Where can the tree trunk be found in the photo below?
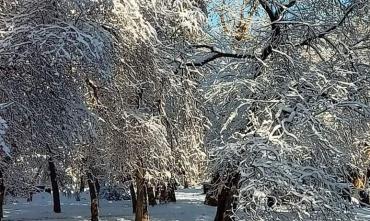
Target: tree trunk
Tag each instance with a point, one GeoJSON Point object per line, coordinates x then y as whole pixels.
{"type": "Point", "coordinates": [97, 188]}
{"type": "Point", "coordinates": [171, 192]}
{"type": "Point", "coordinates": [223, 205]}
{"type": "Point", "coordinates": [82, 188]}
{"type": "Point", "coordinates": [93, 198]}
{"type": "Point", "coordinates": [226, 200]}
{"type": "Point", "coordinates": [29, 199]}
{"type": "Point", "coordinates": [163, 197]}
{"type": "Point", "coordinates": [157, 191]}
{"type": "Point", "coordinates": [145, 209]}
{"type": "Point", "coordinates": [133, 197]}
{"type": "Point", "coordinates": [151, 196]}
{"type": "Point", "coordinates": [2, 195]}
{"type": "Point", "coordinates": [54, 186]}
{"type": "Point", "coordinates": [141, 213]}
{"type": "Point", "coordinates": [82, 184]}
{"type": "Point", "coordinates": [186, 183]}
{"type": "Point", "coordinates": [210, 189]}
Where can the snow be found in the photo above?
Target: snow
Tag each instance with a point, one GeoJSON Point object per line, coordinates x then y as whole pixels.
{"type": "Point", "coordinates": [3, 127]}
{"type": "Point", "coordinates": [363, 214]}
{"type": "Point", "coordinates": [189, 207]}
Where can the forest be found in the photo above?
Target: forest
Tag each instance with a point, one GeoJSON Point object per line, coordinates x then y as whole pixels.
{"type": "Point", "coordinates": [158, 110]}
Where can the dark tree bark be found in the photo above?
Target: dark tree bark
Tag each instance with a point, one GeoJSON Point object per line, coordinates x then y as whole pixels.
{"type": "Point", "coordinates": [226, 201]}
{"type": "Point", "coordinates": [151, 196]}
{"type": "Point", "coordinates": [210, 190]}
{"type": "Point", "coordinates": [82, 188]}
{"type": "Point", "coordinates": [93, 198]}
{"type": "Point", "coordinates": [171, 192]}
{"type": "Point", "coordinates": [224, 205]}
{"type": "Point", "coordinates": [29, 199]}
{"type": "Point", "coordinates": [157, 191]}
{"type": "Point", "coordinates": [2, 194]}
{"type": "Point", "coordinates": [141, 213]}
{"type": "Point", "coordinates": [82, 184]}
{"type": "Point", "coordinates": [54, 186]}
{"type": "Point", "coordinates": [186, 183]}
{"type": "Point", "coordinates": [133, 197]}
{"type": "Point", "coordinates": [146, 212]}
{"type": "Point", "coordinates": [97, 188]}
{"type": "Point", "coordinates": [163, 198]}
{"type": "Point", "coordinates": [206, 187]}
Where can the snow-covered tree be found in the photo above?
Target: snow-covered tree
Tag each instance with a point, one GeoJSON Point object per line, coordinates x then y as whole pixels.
{"type": "Point", "coordinates": [290, 104]}
{"type": "Point", "coordinates": [81, 86]}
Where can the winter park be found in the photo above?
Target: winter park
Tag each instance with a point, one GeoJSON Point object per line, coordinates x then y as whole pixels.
{"type": "Point", "coordinates": [185, 110]}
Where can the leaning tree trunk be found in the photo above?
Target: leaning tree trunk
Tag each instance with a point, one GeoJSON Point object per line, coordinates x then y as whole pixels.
{"type": "Point", "coordinates": [54, 186]}
{"type": "Point", "coordinates": [226, 200]}
{"type": "Point", "coordinates": [141, 213]}
{"type": "Point", "coordinates": [93, 197]}
{"type": "Point", "coordinates": [2, 195]}
{"type": "Point", "coordinates": [133, 197]}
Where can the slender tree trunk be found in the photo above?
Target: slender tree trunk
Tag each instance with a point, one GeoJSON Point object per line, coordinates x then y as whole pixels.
{"type": "Point", "coordinates": [93, 198]}
{"type": "Point", "coordinates": [2, 195]}
{"type": "Point", "coordinates": [157, 191]}
{"type": "Point", "coordinates": [171, 192]}
{"type": "Point", "coordinates": [163, 198]}
{"type": "Point", "coordinates": [145, 209]}
{"type": "Point", "coordinates": [82, 184]}
{"type": "Point", "coordinates": [151, 196]}
{"type": "Point", "coordinates": [141, 213]}
{"type": "Point", "coordinates": [226, 200]}
{"type": "Point", "coordinates": [186, 182]}
{"type": "Point", "coordinates": [133, 197]}
{"type": "Point", "coordinates": [54, 186]}
{"type": "Point", "coordinates": [29, 199]}
{"type": "Point", "coordinates": [82, 188]}
{"type": "Point", "coordinates": [97, 188]}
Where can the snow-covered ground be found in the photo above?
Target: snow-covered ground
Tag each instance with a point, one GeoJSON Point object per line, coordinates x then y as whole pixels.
{"type": "Point", "coordinates": [363, 214]}
{"type": "Point", "coordinates": [189, 207]}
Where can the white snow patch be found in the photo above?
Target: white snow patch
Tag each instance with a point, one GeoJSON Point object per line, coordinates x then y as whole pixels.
{"type": "Point", "coordinates": [189, 207]}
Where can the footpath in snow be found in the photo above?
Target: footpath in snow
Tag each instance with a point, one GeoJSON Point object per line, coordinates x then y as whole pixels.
{"type": "Point", "coordinates": [189, 207]}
